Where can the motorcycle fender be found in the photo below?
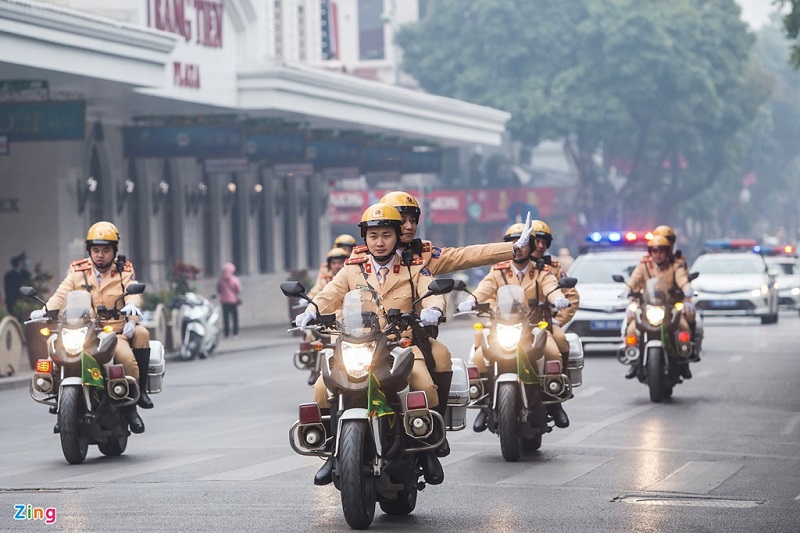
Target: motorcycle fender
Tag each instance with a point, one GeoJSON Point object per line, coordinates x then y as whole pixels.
{"type": "Point", "coordinates": [359, 414]}
{"type": "Point", "coordinates": [75, 381]}
{"type": "Point", "coordinates": [400, 356]}
{"type": "Point", "coordinates": [650, 344]}
{"type": "Point", "coordinates": [196, 327]}
{"type": "Point", "coordinates": [509, 378]}
{"type": "Point", "coordinates": [106, 342]}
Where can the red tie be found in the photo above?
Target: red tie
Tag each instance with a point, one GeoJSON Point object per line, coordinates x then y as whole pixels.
{"type": "Point", "coordinates": [382, 273]}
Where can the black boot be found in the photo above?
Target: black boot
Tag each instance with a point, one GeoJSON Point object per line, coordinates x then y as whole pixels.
{"type": "Point", "coordinates": [481, 421]}
{"type": "Point", "coordinates": [312, 379]}
{"type": "Point", "coordinates": [442, 381]}
{"type": "Point", "coordinates": [142, 356]}
{"type": "Point", "coordinates": [434, 474]}
{"type": "Point", "coordinates": [559, 415]}
{"type": "Point", "coordinates": [324, 475]}
{"type": "Point", "coordinates": [683, 367]}
{"type": "Point", "coordinates": [134, 420]}
{"type": "Point", "coordinates": [632, 371]}
{"type": "Point", "coordinates": [695, 356]}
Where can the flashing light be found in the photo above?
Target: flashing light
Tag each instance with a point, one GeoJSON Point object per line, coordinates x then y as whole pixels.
{"type": "Point", "coordinates": [45, 366]}
{"type": "Point", "coordinates": [316, 345]}
{"type": "Point", "coordinates": [786, 249]}
{"type": "Point", "coordinates": [631, 340]}
{"type": "Point", "coordinates": [614, 236]}
{"type": "Point", "coordinates": [732, 245]}
{"type": "Point", "coordinates": [620, 238]}
{"type": "Point", "coordinates": [683, 336]}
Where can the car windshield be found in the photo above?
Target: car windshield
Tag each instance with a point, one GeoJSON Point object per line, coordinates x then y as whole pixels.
{"type": "Point", "coordinates": [728, 264]}
{"type": "Point", "coordinates": [599, 269]}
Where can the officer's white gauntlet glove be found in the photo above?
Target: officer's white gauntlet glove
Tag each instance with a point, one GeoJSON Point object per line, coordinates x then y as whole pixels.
{"type": "Point", "coordinates": [525, 236]}
{"type": "Point", "coordinates": [466, 306]}
{"type": "Point", "coordinates": [302, 320]}
{"type": "Point", "coordinates": [560, 303]}
{"type": "Point", "coordinates": [430, 317]}
{"type": "Point", "coordinates": [128, 329]}
{"type": "Point", "coordinates": [131, 310]}
{"type": "Point", "coordinates": [36, 314]}
{"type": "Point", "coordinates": [689, 293]}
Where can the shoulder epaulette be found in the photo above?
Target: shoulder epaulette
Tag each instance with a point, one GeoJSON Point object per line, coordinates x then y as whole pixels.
{"type": "Point", "coordinates": [427, 246]}
{"type": "Point", "coordinates": [554, 263]}
{"type": "Point", "coordinates": [360, 249]}
{"type": "Point", "coordinates": [356, 260]}
{"type": "Point", "coordinates": [503, 265]}
{"type": "Point", "coordinates": [546, 268]}
{"type": "Point", "coordinates": [79, 265]}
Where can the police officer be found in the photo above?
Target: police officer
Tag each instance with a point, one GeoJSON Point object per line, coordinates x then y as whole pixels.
{"type": "Point", "coordinates": [346, 242]}
{"type": "Point", "coordinates": [539, 283]}
{"type": "Point", "coordinates": [334, 261]}
{"type": "Point", "coordinates": [343, 242]}
{"type": "Point", "coordinates": [396, 284]}
{"type": "Point", "coordinates": [99, 274]}
{"type": "Point", "coordinates": [659, 264]}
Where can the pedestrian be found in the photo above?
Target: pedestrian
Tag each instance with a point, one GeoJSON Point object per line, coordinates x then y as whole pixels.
{"type": "Point", "coordinates": [228, 289]}
{"type": "Point", "coordinates": [17, 277]}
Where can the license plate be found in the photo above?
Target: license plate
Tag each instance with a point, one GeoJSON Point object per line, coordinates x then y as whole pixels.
{"type": "Point", "coordinates": [604, 325]}
{"type": "Point", "coordinates": [723, 303]}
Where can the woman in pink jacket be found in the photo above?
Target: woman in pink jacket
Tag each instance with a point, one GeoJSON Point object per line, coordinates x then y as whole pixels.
{"type": "Point", "coordinates": [228, 289]}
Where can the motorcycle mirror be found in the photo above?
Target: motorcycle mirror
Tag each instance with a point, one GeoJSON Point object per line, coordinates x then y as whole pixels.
{"type": "Point", "coordinates": [693, 276]}
{"type": "Point", "coordinates": [459, 285]}
{"type": "Point", "coordinates": [441, 286]}
{"type": "Point", "coordinates": [567, 283]}
{"type": "Point", "coordinates": [135, 288]}
{"type": "Point", "coordinates": [618, 278]}
{"type": "Point", "coordinates": [30, 292]}
{"type": "Point", "coordinates": [293, 288]}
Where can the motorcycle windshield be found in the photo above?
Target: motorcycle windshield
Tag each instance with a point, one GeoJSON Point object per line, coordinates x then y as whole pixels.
{"type": "Point", "coordinates": [655, 293]}
{"type": "Point", "coordinates": [510, 303]}
{"type": "Point", "coordinates": [361, 313]}
{"type": "Point", "coordinates": [77, 309]}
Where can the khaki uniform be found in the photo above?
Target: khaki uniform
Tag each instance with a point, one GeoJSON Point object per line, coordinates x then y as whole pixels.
{"type": "Point", "coordinates": [81, 276]}
{"type": "Point", "coordinates": [670, 276]}
{"type": "Point", "coordinates": [395, 293]}
{"type": "Point", "coordinates": [504, 274]}
{"type": "Point", "coordinates": [565, 315]}
{"type": "Point", "coordinates": [323, 278]}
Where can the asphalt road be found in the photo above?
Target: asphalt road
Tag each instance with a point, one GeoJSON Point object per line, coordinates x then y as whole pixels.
{"type": "Point", "coordinates": [722, 455]}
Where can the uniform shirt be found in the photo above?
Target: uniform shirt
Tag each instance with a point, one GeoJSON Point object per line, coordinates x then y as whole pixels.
{"type": "Point", "coordinates": [669, 275]}
{"type": "Point", "coordinates": [323, 278]}
{"type": "Point", "coordinates": [83, 276]}
{"type": "Point", "coordinates": [504, 274]}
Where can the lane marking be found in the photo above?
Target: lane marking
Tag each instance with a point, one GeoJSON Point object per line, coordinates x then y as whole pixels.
{"type": "Point", "coordinates": [704, 374]}
{"type": "Point", "coordinates": [697, 477]}
{"type": "Point", "coordinates": [587, 431]}
{"type": "Point", "coordinates": [269, 468]}
{"type": "Point", "coordinates": [791, 425]}
{"type": "Point", "coordinates": [736, 358]}
{"type": "Point", "coordinates": [585, 393]}
{"type": "Point", "coordinates": [455, 457]}
{"type": "Point", "coordinates": [113, 472]}
{"type": "Point", "coordinates": [558, 471]}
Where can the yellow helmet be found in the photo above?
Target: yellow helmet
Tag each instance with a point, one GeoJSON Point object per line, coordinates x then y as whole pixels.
{"type": "Point", "coordinates": [513, 232]}
{"type": "Point", "coordinates": [665, 231]}
{"type": "Point", "coordinates": [403, 202]}
{"type": "Point", "coordinates": [659, 241]}
{"type": "Point", "coordinates": [541, 230]}
{"type": "Point", "coordinates": [102, 233]}
{"type": "Point", "coordinates": [336, 253]}
{"type": "Point", "coordinates": [378, 215]}
{"type": "Point", "coordinates": [345, 239]}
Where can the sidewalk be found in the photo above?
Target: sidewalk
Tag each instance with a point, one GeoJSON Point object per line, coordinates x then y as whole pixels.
{"type": "Point", "coordinates": [249, 339]}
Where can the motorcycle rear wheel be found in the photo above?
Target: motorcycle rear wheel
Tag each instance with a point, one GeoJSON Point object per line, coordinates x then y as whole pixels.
{"type": "Point", "coordinates": [509, 424]}
{"type": "Point", "coordinates": [74, 437]}
{"type": "Point", "coordinates": [655, 374]}
{"type": "Point", "coordinates": [354, 469]}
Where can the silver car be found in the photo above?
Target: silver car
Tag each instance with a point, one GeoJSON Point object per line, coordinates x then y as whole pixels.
{"type": "Point", "coordinates": [601, 312]}
{"type": "Point", "coordinates": [735, 284]}
{"type": "Point", "coordinates": [787, 273]}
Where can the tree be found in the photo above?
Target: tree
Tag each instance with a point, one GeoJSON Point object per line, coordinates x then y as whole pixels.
{"type": "Point", "coordinates": [659, 90]}
{"type": "Point", "coordinates": [791, 25]}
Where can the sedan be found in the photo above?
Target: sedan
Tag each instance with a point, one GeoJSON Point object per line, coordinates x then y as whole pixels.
{"type": "Point", "coordinates": [788, 280]}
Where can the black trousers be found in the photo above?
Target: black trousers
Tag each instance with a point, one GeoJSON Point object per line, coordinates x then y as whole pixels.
{"type": "Point", "coordinates": [230, 312]}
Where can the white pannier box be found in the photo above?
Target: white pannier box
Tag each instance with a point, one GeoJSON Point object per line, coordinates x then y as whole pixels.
{"type": "Point", "coordinates": [575, 363]}
{"type": "Point", "coordinates": [156, 368]}
{"type": "Point", "coordinates": [458, 398]}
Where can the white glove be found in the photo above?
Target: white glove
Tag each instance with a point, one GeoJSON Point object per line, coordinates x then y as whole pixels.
{"type": "Point", "coordinates": [688, 308]}
{"type": "Point", "coordinates": [466, 306]}
{"type": "Point", "coordinates": [128, 329]}
{"type": "Point", "coordinates": [36, 314]}
{"type": "Point", "coordinates": [689, 293]}
{"type": "Point", "coordinates": [430, 317]}
{"type": "Point", "coordinates": [525, 236]}
{"type": "Point", "coordinates": [131, 310]}
{"type": "Point", "coordinates": [302, 320]}
{"type": "Point", "coordinates": [561, 303]}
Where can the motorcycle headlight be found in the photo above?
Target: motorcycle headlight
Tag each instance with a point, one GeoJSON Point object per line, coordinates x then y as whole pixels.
{"type": "Point", "coordinates": [357, 358]}
{"type": "Point", "coordinates": [655, 315]}
{"type": "Point", "coordinates": [73, 340]}
{"type": "Point", "coordinates": [508, 336]}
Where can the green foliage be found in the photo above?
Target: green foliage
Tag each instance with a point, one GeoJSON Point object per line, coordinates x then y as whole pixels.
{"type": "Point", "coordinates": [791, 26]}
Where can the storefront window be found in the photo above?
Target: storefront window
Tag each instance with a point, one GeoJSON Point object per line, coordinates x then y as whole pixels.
{"type": "Point", "coordinates": [370, 30]}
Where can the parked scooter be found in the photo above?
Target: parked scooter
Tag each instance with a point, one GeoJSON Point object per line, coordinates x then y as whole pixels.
{"type": "Point", "coordinates": [81, 382]}
{"type": "Point", "coordinates": [199, 325]}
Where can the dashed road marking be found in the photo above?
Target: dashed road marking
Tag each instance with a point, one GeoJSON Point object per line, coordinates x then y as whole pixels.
{"type": "Point", "coordinates": [269, 468]}
{"type": "Point", "coordinates": [697, 477]}
{"type": "Point", "coordinates": [118, 472]}
{"type": "Point", "coordinates": [579, 435]}
{"type": "Point", "coordinates": [558, 471]}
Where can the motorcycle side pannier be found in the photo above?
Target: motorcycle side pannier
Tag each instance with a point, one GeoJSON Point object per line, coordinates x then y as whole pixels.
{"type": "Point", "coordinates": [156, 368]}
{"type": "Point", "coordinates": [575, 363]}
{"type": "Point", "coordinates": [458, 398]}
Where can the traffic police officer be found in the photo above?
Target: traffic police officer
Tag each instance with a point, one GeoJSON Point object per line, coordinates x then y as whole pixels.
{"type": "Point", "coordinates": [334, 262]}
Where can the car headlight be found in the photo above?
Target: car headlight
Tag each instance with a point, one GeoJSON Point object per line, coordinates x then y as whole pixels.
{"type": "Point", "coordinates": [508, 336]}
{"type": "Point", "coordinates": [796, 291]}
{"type": "Point", "coordinates": [655, 314]}
{"type": "Point", "coordinates": [755, 293]}
{"type": "Point", "coordinates": [357, 358]}
{"type": "Point", "coordinates": [73, 340]}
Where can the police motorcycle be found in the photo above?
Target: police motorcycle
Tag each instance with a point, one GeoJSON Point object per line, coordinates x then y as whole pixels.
{"type": "Point", "coordinates": [81, 382]}
{"type": "Point", "coordinates": [656, 350]}
{"type": "Point", "coordinates": [378, 429]}
{"type": "Point", "coordinates": [520, 383]}
{"type": "Point", "coordinates": [307, 355]}
{"type": "Point", "coordinates": [199, 323]}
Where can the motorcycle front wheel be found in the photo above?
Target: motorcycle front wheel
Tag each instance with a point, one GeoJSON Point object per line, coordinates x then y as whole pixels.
{"type": "Point", "coordinates": [655, 374]}
{"type": "Point", "coordinates": [509, 424]}
{"type": "Point", "coordinates": [74, 437]}
{"type": "Point", "coordinates": [354, 468]}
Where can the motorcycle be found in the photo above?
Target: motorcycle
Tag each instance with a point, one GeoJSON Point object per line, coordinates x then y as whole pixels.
{"type": "Point", "coordinates": [377, 427]}
{"type": "Point", "coordinates": [307, 355]}
{"type": "Point", "coordinates": [520, 383]}
{"type": "Point", "coordinates": [81, 382]}
{"type": "Point", "coordinates": [199, 325]}
{"type": "Point", "coordinates": [659, 347]}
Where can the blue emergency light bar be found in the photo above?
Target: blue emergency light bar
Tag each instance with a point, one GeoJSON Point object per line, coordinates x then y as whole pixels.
{"type": "Point", "coordinates": [732, 245]}
{"type": "Point", "coordinates": [620, 238]}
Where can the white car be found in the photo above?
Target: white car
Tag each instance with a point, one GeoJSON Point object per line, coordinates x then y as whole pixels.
{"type": "Point", "coordinates": [787, 273]}
{"type": "Point", "coordinates": [735, 284]}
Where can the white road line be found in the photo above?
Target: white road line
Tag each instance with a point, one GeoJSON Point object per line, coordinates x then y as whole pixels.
{"type": "Point", "coordinates": [270, 468]}
{"type": "Point", "coordinates": [455, 457]}
{"type": "Point", "coordinates": [735, 358]}
{"type": "Point", "coordinates": [113, 472]}
{"type": "Point", "coordinates": [586, 431]}
{"type": "Point", "coordinates": [19, 470]}
{"type": "Point", "coordinates": [580, 392]}
{"type": "Point", "coordinates": [798, 497]}
{"type": "Point", "coordinates": [696, 477]}
{"type": "Point", "coordinates": [560, 470]}
{"type": "Point", "coordinates": [791, 425]}
{"type": "Point", "coordinates": [704, 374]}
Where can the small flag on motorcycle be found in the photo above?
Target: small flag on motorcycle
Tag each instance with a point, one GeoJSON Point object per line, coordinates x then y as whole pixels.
{"type": "Point", "coordinates": [376, 400]}
{"type": "Point", "coordinates": [91, 374]}
{"type": "Point", "coordinates": [525, 370]}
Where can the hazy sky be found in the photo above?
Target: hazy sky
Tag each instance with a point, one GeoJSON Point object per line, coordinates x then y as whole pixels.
{"type": "Point", "coordinates": [756, 12]}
